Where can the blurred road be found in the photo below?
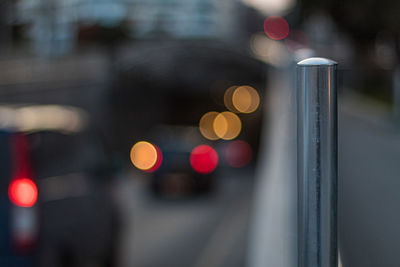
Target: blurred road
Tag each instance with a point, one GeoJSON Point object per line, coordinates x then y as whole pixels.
{"type": "Point", "coordinates": [369, 153]}
{"type": "Point", "coordinates": [204, 231]}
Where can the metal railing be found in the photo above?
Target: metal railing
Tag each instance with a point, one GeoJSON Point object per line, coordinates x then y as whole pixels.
{"type": "Point", "coordinates": [317, 162]}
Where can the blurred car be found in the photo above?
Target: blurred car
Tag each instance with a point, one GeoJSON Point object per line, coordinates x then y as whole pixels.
{"type": "Point", "coordinates": [187, 166]}
{"type": "Point", "coordinates": [18, 215]}
{"type": "Point", "coordinates": [58, 209]}
{"type": "Point", "coordinates": [175, 83]}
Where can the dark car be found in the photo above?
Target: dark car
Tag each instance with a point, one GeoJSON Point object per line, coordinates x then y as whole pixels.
{"type": "Point", "coordinates": [188, 165]}
{"type": "Point", "coordinates": [75, 220]}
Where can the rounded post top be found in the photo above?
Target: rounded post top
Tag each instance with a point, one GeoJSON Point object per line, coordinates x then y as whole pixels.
{"type": "Point", "coordinates": [316, 61]}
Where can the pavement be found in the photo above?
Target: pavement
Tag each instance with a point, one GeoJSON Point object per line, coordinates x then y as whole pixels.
{"type": "Point", "coordinates": [204, 231]}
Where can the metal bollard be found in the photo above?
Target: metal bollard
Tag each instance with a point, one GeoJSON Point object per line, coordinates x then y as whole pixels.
{"type": "Point", "coordinates": [317, 162]}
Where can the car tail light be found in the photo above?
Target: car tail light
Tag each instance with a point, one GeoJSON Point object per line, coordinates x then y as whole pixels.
{"type": "Point", "coordinates": [23, 192]}
{"type": "Point", "coordinates": [203, 159]}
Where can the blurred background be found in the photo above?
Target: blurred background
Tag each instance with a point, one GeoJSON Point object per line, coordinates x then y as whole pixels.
{"type": "Point", "coordinates": [154, 133]}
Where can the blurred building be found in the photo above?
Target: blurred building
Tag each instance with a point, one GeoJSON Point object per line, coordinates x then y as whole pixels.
{"type": "Point", "coordinates": [52, 26]}
{"type": "Point", "coordinates": [184, 18]}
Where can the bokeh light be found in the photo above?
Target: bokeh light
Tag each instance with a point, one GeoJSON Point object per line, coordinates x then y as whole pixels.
{"type": "Point", "coordinates": [228, 99]}
{"type": "Point", "coordinates": [238, 153]}
{"type": "Point", "coordinates": [206, 125]}
{"type": "Point", "coordinates": [227, 125]}
{"type": "Point", "coordinates": [158, 161]}
{"type": "Point", "coordinates": [245, 99]}
{"type": "Point", "coordinates": [268, 50]}
{"type": "Point", "coordinates": [203, 159]}
{"type": "Point", "coordinates": [276, 27]}
{"type": "Point", "coordinates": [220, 125]}
{"type": "Point", "coordinates": [144, 155]}
{"type": "Point", "coordinates": [23, 192]}
{"type": "Point", "coordinates": [43, 117]}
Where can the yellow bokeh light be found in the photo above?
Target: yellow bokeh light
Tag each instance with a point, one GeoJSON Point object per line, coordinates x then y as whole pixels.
{"type": "Point", "coordinates": [245, 99]}
{"type": "Point", "coordinates": [220, 125]}
{"type": "Point", "coordinates": [227, 125]}
{"type": "Point", "coordinates": [206, 125]}
{"type": "Point", "coordinates": [228, 99]}
{"type": "Point", "coordinates": [143, 155]}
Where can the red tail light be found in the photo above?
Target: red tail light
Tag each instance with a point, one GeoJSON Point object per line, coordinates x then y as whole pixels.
{"type": "Point", "coordinates": [204, 159]}
{"type": "Point", "coordinates": [23, 192]}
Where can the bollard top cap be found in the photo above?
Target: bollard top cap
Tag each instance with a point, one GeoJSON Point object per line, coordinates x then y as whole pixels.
{"type": "Point", "coordinates": [317, 61]}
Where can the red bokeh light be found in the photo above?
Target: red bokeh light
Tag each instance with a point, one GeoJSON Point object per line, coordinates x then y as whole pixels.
{"type": "Point", "coordinates": [203, 159]}
{"type": "Point", "coordinates": [159, 160]}
{"type": "Point", "coordinates": [276, 28]}
{"type": "Point", "coordinates": [23, 192]}
{"type": "Point", "coordinates": [238, 154]}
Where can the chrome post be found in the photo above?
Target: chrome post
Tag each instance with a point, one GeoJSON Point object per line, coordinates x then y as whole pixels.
{"type": "Point", "coordinates": [317, 162]}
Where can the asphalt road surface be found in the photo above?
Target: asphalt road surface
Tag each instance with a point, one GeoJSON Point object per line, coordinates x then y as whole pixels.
{"type": "Point", "coordinates": [369, 186]}
{"type": "Point", "coordinates": [204, 231]}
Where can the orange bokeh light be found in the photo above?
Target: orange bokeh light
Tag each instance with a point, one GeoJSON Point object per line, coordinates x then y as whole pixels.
{"type": "Point", "coordinates": [206, 125]}
{"type": "Point", "coordinates": [144, 155]}
{"type": "Point", "coordinates": [228, 98]}
{"type": "Point", "coordinates": [245, 99]}
{"type": "Point", "coordinates": [227, 125]}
